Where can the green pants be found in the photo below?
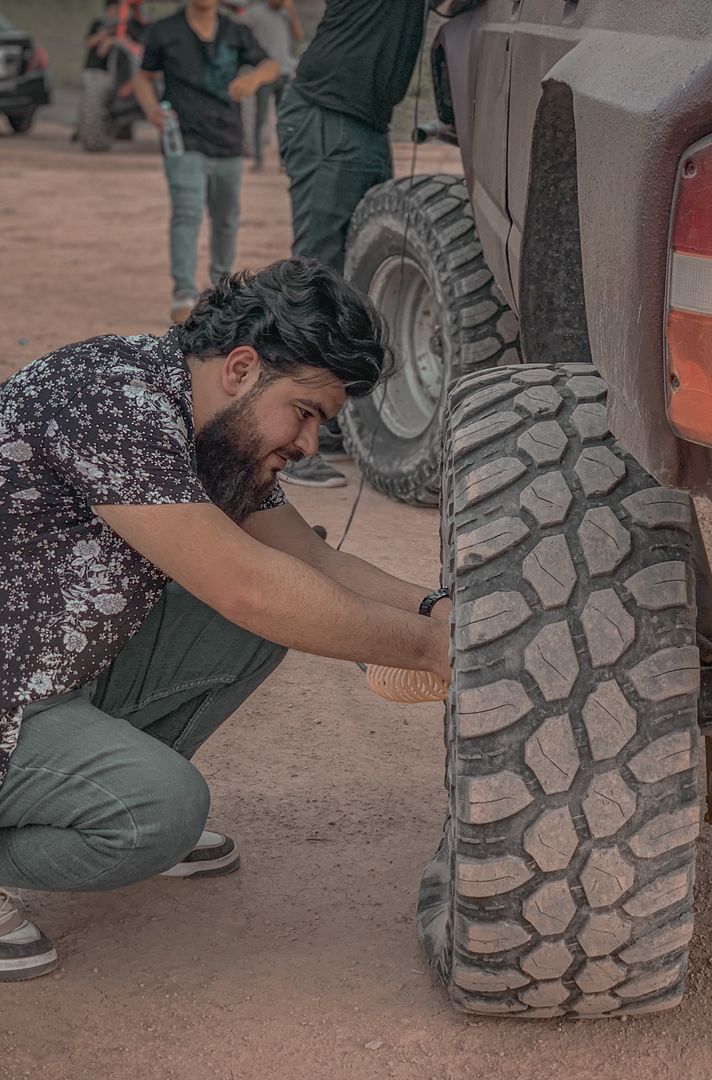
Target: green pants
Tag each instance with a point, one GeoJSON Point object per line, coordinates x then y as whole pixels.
{"type": "Point", "coordinates": [194, 182]}
{"type": "Point", "coordinates": [100, 791]}
{"type": "Point", "coordinates": [332, 160]}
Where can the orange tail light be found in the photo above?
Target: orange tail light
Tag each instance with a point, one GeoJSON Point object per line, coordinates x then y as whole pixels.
{"type": "Point", "coordinates": [689, 299]}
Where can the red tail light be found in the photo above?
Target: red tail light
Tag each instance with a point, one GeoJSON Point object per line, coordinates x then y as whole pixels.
{"type": "Point", "coordinates": [38, 60]}
{"type": "Point", "coordinates": [689, 299]}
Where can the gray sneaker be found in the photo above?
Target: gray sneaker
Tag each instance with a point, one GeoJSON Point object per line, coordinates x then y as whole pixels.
{"type": "Point", "coordinates": [312, 472]}
{"type": "Point", "coordinates": [25, 952]}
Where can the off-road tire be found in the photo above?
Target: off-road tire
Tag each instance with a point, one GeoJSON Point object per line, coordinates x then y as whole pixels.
{"type": "Point", "coordinates": [429, 220]}
{"type": "Point", "coordinates": [21, 122]}
{"type": "Point", "coordinates": [563, 882]}
{"type": "Point", "coordinates": [95, 126]}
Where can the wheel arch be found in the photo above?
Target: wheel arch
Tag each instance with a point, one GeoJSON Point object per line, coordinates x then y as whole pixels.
{"type": "Point", "coordinates": [552, 311]}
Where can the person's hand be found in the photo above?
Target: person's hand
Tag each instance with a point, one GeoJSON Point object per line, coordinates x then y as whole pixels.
{"type": "Point", "coordinates": [244, 86]}
{"type": "Point", "coordinates": [288, 6]}
{"type": "Point", "coordinates": [442, 651]}
{"type": "Point", "coordinates": [442, 610]}
{"type": "Point", "coordinates": [157, 116]}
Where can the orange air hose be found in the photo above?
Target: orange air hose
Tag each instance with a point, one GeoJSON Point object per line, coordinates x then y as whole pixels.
{"type": "Point", "coordinates": [408, 687]}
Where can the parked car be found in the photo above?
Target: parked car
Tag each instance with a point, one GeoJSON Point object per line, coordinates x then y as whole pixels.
{"type": "Point", "coordinates": [553, 309]}
{"type": "Point", "coordinates": [24, 82]}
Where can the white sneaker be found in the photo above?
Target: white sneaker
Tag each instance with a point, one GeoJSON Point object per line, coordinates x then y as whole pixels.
{"type": "Point", "coordinates": [25, 952]}
{"type": "Point", "coordinates": [181, 307]}
{"type": "Point", "coordinates": [214, 854]}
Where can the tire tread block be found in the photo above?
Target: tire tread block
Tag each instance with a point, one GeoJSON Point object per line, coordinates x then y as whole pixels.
{"type": "Point", "coordinates": [610, 721]}
{"type": "Point", "coordinates": [609, 629]}
{"type": "Point", "coordinates": [481, 545]}
{"type": "Point", "coordinates": [484, 709]}
{"type": "Point", "coordinates": [551, 754]}
{"type": "Point", "coordinates": [668, 673]}
{"type": "Point", "coordinates": [491, 877]}
{"type": "Point", "coordinates": [671, 754]}
{"type": "Point", "coordinates": [482, 621]}
{"type": "Point", "coordinates": [665, 832]}
{"type": "Point", "coordinates": [661, 586]}
{"type": "Point", "coordinates": [550, 571]}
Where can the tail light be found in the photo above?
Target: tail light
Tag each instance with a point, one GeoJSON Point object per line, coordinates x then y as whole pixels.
{"type": "Point", "coordinates": [38, 60]}
{"type": "Point", "coordinates": [689, 299]}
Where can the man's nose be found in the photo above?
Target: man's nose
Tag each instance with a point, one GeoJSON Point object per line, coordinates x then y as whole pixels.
{"type": "Point", "coordinates": [308, 441]}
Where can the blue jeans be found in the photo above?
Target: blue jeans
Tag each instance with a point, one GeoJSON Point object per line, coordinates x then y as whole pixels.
{"type": "Point", "coordinates": [100, 791]}
{"type": "Point", "coordinates": [194, 182]}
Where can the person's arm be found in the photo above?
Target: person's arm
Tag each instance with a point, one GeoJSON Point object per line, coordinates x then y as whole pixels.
{"type": "Point", "coordinates": [272, 593]}
{"type": "Point", "coordinates": [252, 54]}
{"type": "Point", "coordinates": [145, 94]}
{"type": "Point", "coordinates": [97, 34]}
{"type": "Point", "coordinates": [144, 78]}
{"type": "Point", "coordinates": [247, 84]}
{"type": "Point", "coordinates": [295, 26]}
{"type": "Point", "coordinates": [285, 529]}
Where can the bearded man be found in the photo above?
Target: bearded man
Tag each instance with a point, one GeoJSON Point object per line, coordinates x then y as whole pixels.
{"type": "Point", "coordinates": [153, 576]}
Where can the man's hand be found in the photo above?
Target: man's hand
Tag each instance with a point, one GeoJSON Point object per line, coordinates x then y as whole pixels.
{"type": "Point", "coordinates": [158, 116]}
{"type": "Point", "coordinates": [442, 610]}
{"type": "Point", "coordinates": [443, 669]}
{"type": "Point", "coordinates": [244, 86]}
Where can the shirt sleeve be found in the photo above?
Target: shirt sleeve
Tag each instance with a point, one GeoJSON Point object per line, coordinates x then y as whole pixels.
{"type": "Point", "coordinates": [274, 498]}
{"type": "Point", "coordinates": [153, 51]}
{"type": "Point", "coordinates": [250, 52]}
{"type": "Point", "coordinates": [121, 441]}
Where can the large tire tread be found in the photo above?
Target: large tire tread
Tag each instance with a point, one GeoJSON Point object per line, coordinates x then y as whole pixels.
{"type": "Point", "coordinates": [563, 883]}
{"type": "Point", "coordinates": [479, 328]}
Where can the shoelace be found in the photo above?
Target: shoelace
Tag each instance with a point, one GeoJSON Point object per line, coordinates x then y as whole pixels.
{"type": "Point", "coordinates": [8, 901]}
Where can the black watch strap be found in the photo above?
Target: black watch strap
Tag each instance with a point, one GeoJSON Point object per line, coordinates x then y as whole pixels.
{"type": "Point", "coordinates": [428, 602]}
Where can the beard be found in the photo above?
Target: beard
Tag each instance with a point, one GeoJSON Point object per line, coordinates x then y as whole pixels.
{"type": "Point", "coordinates": [230, 462]}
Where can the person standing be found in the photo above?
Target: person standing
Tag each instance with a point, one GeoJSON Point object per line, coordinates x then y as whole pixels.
{"type": "Point", "coordinates": [276, 27]}
{"type": "Point", "coordinates": [333, 136]}
{"type": "Point", "coordinates": [198, 52]}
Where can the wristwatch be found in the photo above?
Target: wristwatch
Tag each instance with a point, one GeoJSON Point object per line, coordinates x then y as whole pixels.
{"type": "Point", "coordinates": [428, 603]}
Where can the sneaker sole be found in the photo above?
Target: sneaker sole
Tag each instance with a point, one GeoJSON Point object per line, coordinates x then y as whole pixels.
{"type": "Point", "coordinates": [336, 482]}
{"type": "Point", "coordinates": [28, 967]}
{"type": "Point", "coordinates": [226, 864]}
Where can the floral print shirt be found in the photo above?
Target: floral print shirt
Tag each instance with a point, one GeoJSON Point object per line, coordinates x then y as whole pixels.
{"type": "Point", "coordinates": [106, 421]}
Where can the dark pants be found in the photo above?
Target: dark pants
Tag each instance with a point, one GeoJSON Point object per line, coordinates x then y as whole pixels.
{"type": "Point", "coordinates": [100, 791]}
{"type": "Point", "coordinates": [332, 160]}
{"type": "Point", "coordinates": [275, 90]}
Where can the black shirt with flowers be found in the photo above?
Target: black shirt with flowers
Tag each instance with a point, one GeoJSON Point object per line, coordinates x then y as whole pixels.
{"type": "Point", "coordinates": [105, 421]}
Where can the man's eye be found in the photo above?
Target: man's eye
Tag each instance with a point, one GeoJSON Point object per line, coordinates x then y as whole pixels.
{"type": "Point", "coordinates": [305, 414]}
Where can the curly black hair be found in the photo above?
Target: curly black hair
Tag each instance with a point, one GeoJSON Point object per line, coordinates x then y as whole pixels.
{"type": "Point", "coordinates": [294, 313]}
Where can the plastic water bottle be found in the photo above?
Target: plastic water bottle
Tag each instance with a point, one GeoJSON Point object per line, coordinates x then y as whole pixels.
{"type": "Point", "coordinates": [171, 135]}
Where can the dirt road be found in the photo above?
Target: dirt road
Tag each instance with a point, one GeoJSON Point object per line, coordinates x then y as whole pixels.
{"type": "Point", "coordinates": [305, 964]}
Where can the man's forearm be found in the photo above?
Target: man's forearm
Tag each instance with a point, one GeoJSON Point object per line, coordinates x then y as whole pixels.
{"type": "Point", "coordinates": [145, 92]}
{"type": "Point", "coordinates": [367, 580]}
{"type": "Point", "coordinates": [267, 72]}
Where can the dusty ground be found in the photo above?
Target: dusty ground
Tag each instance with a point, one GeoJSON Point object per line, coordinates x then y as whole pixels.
{"type": "Point", "coordinates": [305, 964]}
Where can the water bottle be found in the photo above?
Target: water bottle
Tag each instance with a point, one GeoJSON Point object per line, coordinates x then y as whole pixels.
{"type": "Point", "coordinates": [171, 136]}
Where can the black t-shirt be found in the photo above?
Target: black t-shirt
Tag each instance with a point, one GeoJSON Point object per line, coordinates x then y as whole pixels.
{"type": "Point", "coordinates": [362, 57]}
{"type": "Point", "coordinates": [134, 28]}
{"type": "Point", "coordinates": [197, 76]}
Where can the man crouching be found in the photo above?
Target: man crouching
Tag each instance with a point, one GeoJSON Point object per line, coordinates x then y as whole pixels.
{"type": "Point", "coordinates": [153, 576]}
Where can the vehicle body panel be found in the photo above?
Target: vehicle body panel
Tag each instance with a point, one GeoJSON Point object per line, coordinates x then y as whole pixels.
{"type": "Point", "coordinates": [638, 100]}
{"type": "Point", "coordinates": [20, 89]}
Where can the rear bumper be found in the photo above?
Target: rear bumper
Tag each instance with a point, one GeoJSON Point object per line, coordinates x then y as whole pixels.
{"type": "Point", "coordinates": [24, 92]}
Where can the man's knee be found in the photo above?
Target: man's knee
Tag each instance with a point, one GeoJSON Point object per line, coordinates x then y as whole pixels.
{"type": "Point", "coordinates": [170, 823]}
{"type": "Point", "coordinates": [161, 821]}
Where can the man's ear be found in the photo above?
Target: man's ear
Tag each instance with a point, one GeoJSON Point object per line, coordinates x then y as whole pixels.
{"type": "Point", "coordinates": [240, 371]}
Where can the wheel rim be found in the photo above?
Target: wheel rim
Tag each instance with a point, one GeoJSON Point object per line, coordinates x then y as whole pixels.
{"type": "Point", "coordinates": [409, 400]}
